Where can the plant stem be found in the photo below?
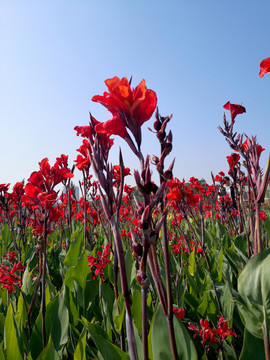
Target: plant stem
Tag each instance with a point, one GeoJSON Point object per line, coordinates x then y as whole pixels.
{"type": "Point", "coordinates": [169, 290]}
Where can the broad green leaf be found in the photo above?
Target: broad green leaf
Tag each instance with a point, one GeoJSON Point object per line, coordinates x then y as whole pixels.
{"type": "Point", "coordinates": [267, 226]}
{"type": "Point", "coordinates": [56, 322]}
{"type": "Point", "coordinates": [21, 316]}
{"type": "Point", "coordinates": [78, 272]}
{"type": "Point", "coordinates": [160, 341]}
{"type": "Point", "coordinates": [253, 348]}
{"type": "Point", "coordinates": [226, 300]}
{"type": "Point", "coordinates": [254, 289]}
{"type": "Point", "coordinates": [75, 249]}
{"type": "Point", "coordinates": [191, 263]}
{"type": "Point", "coordinates": [118, 313]}
{"type": "Point", "coordinates": [208, 304]}
{"type": "Point", "coordinates": [72, 306]}
{"type": "Point", "coordinates": [79, 353]}
{"type": "Point", "coordinates": [12, 338]}
{"type": "Point", "coordinates": [49, 353]}
{"type": "Point", "coordinates": [6, 237]}
{"type": "Point", "coordinates": [220, 263]}
{"type": "Point", "coordinates": [107, 350]}
{"type": "Point", "coordinates": [136, 308]}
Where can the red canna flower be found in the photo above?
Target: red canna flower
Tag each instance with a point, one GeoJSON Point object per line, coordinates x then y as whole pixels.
{"type": "Point", "coordinates": [263, 215]}
{"type": "Point", "coordinates": [246, 146]}
{"type": "Point", "coordinates": [114, 126]}
{"type": "Point", "coordinates": [100, 261]}
{"type": "Point", "coordinates": [234, 109]}
{"type": "Point", "coordinates": [233, 160]}
{"type": "Point", "coordinates": [11, 256]}
{"type": "Point", "coordinates": [116, 172]}
{"type": "Point", "coordinates": [130, 108]}
{"type": "Point", "coordinates": [180, 313]}
{"type": "Point", "coordinates": [264, 67]}
{"type": "Point", "coordinates": [47, 199]}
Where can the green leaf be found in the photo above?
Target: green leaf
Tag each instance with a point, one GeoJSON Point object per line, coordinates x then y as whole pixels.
{"type": "Point", "coordinates": [72, 305]}
{"type": "Point", "coordinates": [136, 308]}
{"type": "Point", "coordinates": [253, 348]}
{"type": "Point", "coordinates": [107, 350]}
{"type": "Point", "coordinates": [160, 341]}
{"type": "Point", "coordinates": [227, 301]}
{"type": "Point", "coordinates": [2, 356]}
{"type": "Point", "coordinates": [220, 263]}
{"type": "Point", "coordinates": [254, 289]}
{"type": "Point", "coordinates": [208, 304]}
{"type": "Point", "coordinates": [12, 338]}
{"type": "Point", "coordinates": [267, 226]}
{"type": "Point", "coordinates": [49, 352]}
{"type": "Point", "coordinates": [118, 313]}
{"type": "Point", "coordinates": [192, 263]}
{"type": "Point", "coordinates": [75, 249]}
{"type": "Point", "coordinates": [78, 272]}
{"type": "Point", "coordinates": [6, 237]}
{"type": "Point", "coordinates": [79, 353]}
{"type": "Point", "coordinates": [56, 322]}
{"type": "Point", "coordinates": [21, 316]}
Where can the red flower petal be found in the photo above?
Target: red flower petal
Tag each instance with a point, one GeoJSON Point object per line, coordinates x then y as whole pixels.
{"type": "Point", "coordinates": [265, 67]}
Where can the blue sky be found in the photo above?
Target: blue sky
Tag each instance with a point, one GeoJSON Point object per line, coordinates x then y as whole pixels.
{"type": "Point", "coordinates": [196, 55]}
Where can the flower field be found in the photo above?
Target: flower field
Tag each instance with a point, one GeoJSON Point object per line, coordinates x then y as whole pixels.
{"type": "Point", "coordinates": [159, 270]}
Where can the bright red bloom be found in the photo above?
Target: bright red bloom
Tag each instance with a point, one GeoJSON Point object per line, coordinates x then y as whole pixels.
{"type": "Point", "coordinates": [180, 313]}
{"type": "Point", "coordinates": [114, 126]}
{"type": "Point", "coordinates": [175, 194]}
{"type": "Point", "coordinates": [213, 336]}
{"type": "Point", "coordinates": [138, 103]}
{"type": "Point", "coordinates": [233, 160]}
{"type": "Point", "coordinates": [260, 149]}
{"type": "Point", "coordinates": [264, 67]}
{"type": "Point", "coordinates": [11, 256]}
{"type": "Point", "coordinates": [47, 199]}
{"type": "Point", "coordinates": [234, 109]}
{"type": "Point", "coordinates": [223, 330]}
{"type": "Point", "coordinates": [116, 172]}
{"type": "Point", "coordinates": [4, 187]}
{"type": "Point", "coordinates": [84, 131]}
{"type": "Point", "coordinates": [100, 261]}
{"type": "Point", "coordinates": [263, 215]}
{"type": "Point", "coordinates": [8, 278]}
{"type": "Point", "coordinates": [130, 108]}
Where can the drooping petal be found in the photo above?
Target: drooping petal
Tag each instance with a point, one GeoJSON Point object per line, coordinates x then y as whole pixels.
{"type": "Point", "coordinates": [114, 126]}
{"type": "Point", "coordinates": [234, 109]}
{"type": "Point", "coordinates": [264, 67]}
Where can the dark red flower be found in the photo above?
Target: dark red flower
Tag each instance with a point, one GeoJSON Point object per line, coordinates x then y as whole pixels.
{"type": "Point", "coordinates": [114, 126]}
{"type": "Point", "coordinates": [234, 109]}
{"type": "Point", "coordinates": [264, 67]}
{"type": "Point", "coordinates": [263, 215]}
{"type": "Point", "coordinates": [233, 160]}
{"type": "Point", "coordinates": [116, 172]}
{"type": "Point", "coordinates": [180, 313]}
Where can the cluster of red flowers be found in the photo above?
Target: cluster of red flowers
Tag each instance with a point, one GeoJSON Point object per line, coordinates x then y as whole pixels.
{"type": "Point", "coordinates": [233, 161]}
{"type": "Point", "coordinates": [98, 263]}
{"type": "Point", "coordinates": [8, 277]}
{"type": "Point", "coordinates": [212, 335]}
{"type": "Point", "coordinates": [185, 246]}
{"type": "Point", "coordinates": [39, 190]}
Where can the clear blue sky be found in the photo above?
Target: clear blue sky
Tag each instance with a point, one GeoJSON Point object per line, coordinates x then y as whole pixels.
{"type": "Point", "coordinates": [196, 55]}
